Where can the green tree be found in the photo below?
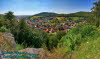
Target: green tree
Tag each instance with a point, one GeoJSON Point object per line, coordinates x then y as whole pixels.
{"type": "Point", "coordinates": [53, 42]}
{"type": "Point", "coordinates": [78, 35]}
{"type": "Point", "coordinates": [40, 39]}
{"type": "Point", "coordinates": [3, 22]}
{"type": "Point", "coordinates": [11, 23]}
{"type": "Point", "coordinates": [96, 13]}
{"type": "Point", "coordinates": [9, 15]}
{"type": "Point", "coordinates": [60, 34]}
{"type": "Point", "coordinates": [30, 37]}
{"type": "Point", "coordinates": [4, 29]}
{"type": "Point", "coordinates": [23, 32]}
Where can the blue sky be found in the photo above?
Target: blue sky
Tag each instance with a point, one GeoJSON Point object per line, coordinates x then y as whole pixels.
{"type": "Point", "coordinates": [30, 7]}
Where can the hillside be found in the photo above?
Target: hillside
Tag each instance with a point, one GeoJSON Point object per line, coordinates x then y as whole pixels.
{"type": "Point", "coordinates": [47, 14]}
{"type": "Point", "coordinates": [88, 50]}
{"type": "Point", "coordinates": [81, 13]}
{"type": "Point", "coordinates": [50, 15]}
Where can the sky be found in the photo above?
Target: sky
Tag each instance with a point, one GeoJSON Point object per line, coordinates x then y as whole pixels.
{"type": "Point", "coordinates": [31, 7]}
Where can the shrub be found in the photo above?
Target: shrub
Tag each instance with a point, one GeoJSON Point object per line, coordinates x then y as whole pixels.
{"type": "Point", "coordinates": [19, 47]}
{"type": "Point", "coordinates": [4, 29]}
{"type": "Point", "coordinates": [60, 34]}
{"type": "Point", "coordinates": [39, 38]}
{"type": "Point", "coordinates": [77, 35]}
{"type": "Point", "coordinates": [53, 41]}
{"type": "Point", "coordinates": [88, 50]}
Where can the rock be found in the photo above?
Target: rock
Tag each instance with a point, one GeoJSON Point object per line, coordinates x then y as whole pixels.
{"type": "Point", "coordinates": [39, 51]}
{"type": "Point", "coordinates": [7, 41]}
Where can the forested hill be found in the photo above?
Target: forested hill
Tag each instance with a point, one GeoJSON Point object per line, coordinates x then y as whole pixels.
{"type": "Point", "coordinates": [46, 14]}
{"type": "Point", "coordinates": [50, 14]}
{"type": "Point", "coordinates": [81, 13]}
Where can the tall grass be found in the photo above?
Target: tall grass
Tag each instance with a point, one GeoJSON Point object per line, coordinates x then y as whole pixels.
{"type": "Point", "coordinates": [81, 42]}
{"type": "Point", "coordinates": [88, 50]}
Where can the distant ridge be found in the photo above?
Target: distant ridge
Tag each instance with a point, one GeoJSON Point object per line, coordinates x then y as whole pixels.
{"type": "Point", "coordinates": [46, 14]}
{"type": "Point", "coordinates": [22, 15]}
{"type": "Point", "coordinates": [81, 13]}
{"type": "Point", "coordinates": [51, 14]}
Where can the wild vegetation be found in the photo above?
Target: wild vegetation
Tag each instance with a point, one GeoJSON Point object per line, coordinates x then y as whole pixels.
{"type": "Point", "coordinates": [60, 42]}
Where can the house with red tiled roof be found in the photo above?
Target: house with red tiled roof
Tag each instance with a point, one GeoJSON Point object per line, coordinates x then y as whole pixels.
{"type": "Point", "coordinates": [46, 30]}
{"type": "Point", "coordinates": [65, 27]}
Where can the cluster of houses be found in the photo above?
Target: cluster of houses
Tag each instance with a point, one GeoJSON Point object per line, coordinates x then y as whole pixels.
{"type": "Point", "coordinates": [48, 26]}
{"type": "Point", "coordinates": [44, 25]}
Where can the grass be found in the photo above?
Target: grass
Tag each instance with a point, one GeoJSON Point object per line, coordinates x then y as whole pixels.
{"type": "Point", "coordinates": [88, 50]}
{"type": "Point", "coordinates": [56, 53]}
{"type": "Point", "coordinates": [88, 47]}
{"type": "Point", "coordinates": [19, 47]}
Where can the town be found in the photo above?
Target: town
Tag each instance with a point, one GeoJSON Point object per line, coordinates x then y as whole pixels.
{"type": "Point", "coordinates": [50, 26]}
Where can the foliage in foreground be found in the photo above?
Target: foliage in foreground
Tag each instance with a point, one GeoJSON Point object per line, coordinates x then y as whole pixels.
{"type": "Point", "coordinates": [78, 35]}
{"type": "Point", "coordinates": [88, 50]}
{"type": "Point", "coordinates": [94, 19]}
{"type": "Point", "coordinates": [19, 47]}
{"type": "Point", "coordinates": [79, 42]}
{"type": "Point", "coordinates": [4, 29]}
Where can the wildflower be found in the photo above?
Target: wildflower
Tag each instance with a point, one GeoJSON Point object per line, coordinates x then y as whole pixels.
{"type": "Point", "coordinates": [87, 42]}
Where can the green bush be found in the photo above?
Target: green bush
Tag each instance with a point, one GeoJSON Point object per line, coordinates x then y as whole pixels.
{"type": "Point", "coordinates": [39, 38]}
{"type": "Point", "coordinates": [19, 47]}
{"type": "Point", "coordinates": [4, 29]}
{"type": "Point", "coordinates": [53, 41]}
{"type": "Point", "coordinates": [60, 34]}
{"type": "Point", "coordinates": [77, 35]}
